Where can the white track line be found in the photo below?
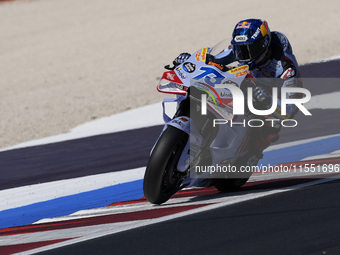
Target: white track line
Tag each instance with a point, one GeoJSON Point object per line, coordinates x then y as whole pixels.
{"type": "Point", "coordinates": [224, 201]}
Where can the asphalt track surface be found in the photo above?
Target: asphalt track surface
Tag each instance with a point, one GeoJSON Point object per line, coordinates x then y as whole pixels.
{"type": "Point", "coordinates": [303, 221]}
{"type": "Point", "coordinates": [297, 222]}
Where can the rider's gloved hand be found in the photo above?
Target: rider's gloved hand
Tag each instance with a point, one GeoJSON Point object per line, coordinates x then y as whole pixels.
{"type": "Point", "coordinates": [261, 98]}
{"type": "Point", "coordinates": [181, 58]}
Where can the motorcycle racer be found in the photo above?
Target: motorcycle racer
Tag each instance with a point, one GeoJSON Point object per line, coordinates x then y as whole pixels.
{"type": "Point", "coordinates": [268, 55]}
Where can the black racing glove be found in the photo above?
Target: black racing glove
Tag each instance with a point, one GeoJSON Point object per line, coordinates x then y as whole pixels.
{"type": "Point", "coordinates": [261, 98]}
{"type": "Point", "coordinates": [181, 58]}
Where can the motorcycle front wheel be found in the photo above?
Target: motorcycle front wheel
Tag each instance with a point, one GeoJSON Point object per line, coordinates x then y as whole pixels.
{"type": "Point", "coordinates": [161, 179]}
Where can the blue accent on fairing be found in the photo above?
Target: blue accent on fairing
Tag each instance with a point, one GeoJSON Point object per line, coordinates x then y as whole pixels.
{"type": "Point", "coordinates": [207, 72]}
{"type": "Point", "coordinates": [67, 205]}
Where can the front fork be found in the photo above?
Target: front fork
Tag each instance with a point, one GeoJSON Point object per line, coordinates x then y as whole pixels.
{"type": "Point", "coordinates": [188, 118]}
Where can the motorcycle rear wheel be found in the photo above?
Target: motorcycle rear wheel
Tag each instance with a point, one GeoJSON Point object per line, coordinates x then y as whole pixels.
{"type": "Point", "coordinates": [161, 179]}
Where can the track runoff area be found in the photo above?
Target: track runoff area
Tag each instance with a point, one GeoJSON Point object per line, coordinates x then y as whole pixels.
{"type": "Point", "coordinates": [117, 218]}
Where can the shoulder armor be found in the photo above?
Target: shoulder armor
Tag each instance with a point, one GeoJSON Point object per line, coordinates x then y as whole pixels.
{"type": "Point", "coordinates": [283, 40]}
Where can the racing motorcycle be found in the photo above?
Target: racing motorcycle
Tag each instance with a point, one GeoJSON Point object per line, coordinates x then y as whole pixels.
{"type": "Point", "coordinates": [197, 146]}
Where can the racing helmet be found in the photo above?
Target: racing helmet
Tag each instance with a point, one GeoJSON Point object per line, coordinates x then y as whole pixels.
{"type": "Point", "coordinates": [251, 40]}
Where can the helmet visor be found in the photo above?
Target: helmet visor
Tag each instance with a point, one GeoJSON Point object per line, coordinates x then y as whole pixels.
{"type": "Point", "coordinates": [250, 51]}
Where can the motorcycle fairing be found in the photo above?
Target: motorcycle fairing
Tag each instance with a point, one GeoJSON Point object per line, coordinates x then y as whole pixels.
{"type": "Point", "coordinates": [177, 82]}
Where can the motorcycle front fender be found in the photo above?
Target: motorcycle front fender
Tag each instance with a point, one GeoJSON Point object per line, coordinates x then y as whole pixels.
{"type": "Point", "coordinates": [185, 124]}
{"type": "Point", "coordinates": [191, 149]}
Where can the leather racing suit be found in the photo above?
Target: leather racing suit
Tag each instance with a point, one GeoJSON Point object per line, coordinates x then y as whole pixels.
{"type": "Point", "coordinates": [278, 69]}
